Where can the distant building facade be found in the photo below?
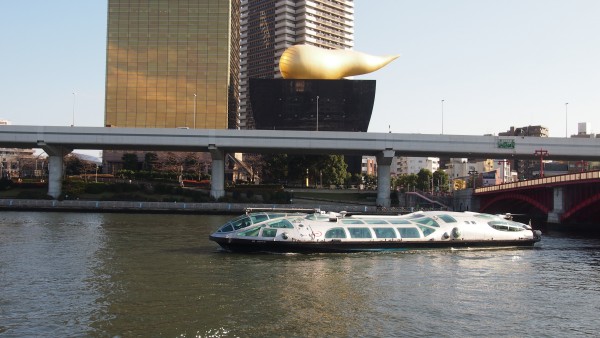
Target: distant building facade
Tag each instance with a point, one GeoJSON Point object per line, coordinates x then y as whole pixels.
{"type": "Point", "coordinates": [584, 131]}
{"type": "Point", "coordinates": [11, 159]}
{"type": "Point", "coordinates": [404, 165]}
{"type": "Point", "coordinates": [369, 165]}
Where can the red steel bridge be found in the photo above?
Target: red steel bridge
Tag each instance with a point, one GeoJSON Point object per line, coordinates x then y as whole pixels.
{"type": "Point", "coordinates": [566, 199]}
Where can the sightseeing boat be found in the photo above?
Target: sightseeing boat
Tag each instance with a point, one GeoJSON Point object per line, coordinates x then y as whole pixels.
{"type": "Point", "coordinates": [303, 231]}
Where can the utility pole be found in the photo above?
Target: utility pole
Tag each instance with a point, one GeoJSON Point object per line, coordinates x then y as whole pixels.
{"type": "Point", "coordinates": [541, 153]}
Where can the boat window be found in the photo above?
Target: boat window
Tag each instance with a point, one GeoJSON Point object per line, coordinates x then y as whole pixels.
{"type": "Point", "coordinates": [426, 230]}
{"type": "Point", "coordinates": [280, 223]}
{"type": "Point", "coordinates": [360, 233]}
{"type": "Point", "coordinates": [335, 233]}
{"type": "Point", "coordinates": [376, 221]}
{"type": "Point", "coordinates": [276, 215]}
{"type": "Point", "coordinates": [447, 218]}
{"type": "Point", "coordinates": [241, 222]}
{"type": "Point", "coordinates": [252, 232]}
{"type": "Point", "coordinates": [409, 232]}
{"type": "Point", "coordinates": [352, 221]}
{"type": "Point", "coordinates": [506, 226]}
{"type": "Point", "coordinates": [385, 233]}
{"type": "Point", "coordinates": [268, 232]}
{"type": "Point", "coordinates": [486, 216]}
{"type": "Point", "coordinates": [427, 221]}
{"type": "Point", "coordinates": [226, 228]}
{"type": "Point", "coordinates": [398, 221]}
{"type": "Point", "coordinates": [257, 218]}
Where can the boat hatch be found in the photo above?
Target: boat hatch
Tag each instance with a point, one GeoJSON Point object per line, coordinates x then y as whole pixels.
{"type": "Point", "coordinates": [506, 226]}
{"type": "Point", "coordinates": [447, 218]}
{"type": "Point", "coordinates": [427, 221]}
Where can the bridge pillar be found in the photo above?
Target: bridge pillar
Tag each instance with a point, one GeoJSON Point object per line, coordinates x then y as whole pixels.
{"type": "Point", "coordinates": [56, 155]}
{"type": "Point", "coordinates": [558, 205]}
{"type": "Point", "coordinates": [217, 178]}
{"type": "Point", "coordinates": [384, 162]}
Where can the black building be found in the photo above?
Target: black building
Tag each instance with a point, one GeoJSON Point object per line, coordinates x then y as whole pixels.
{"type": "Point", "coordinates": [340, 105]}
{"type": "Point", "coordinates": [326, 105]}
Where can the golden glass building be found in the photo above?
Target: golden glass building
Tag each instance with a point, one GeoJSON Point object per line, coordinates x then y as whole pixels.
{"type": "Point", "coordinates": [172, 64]}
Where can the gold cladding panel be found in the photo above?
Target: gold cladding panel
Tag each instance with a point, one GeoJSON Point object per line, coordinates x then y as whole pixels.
{"type": "Point", "coordinates": [159, 56]}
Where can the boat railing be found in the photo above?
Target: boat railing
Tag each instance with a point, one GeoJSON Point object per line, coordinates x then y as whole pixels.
{"type": "Point", "coordinates": [286, 210]}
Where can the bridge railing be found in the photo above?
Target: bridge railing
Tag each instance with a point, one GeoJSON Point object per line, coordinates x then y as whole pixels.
{"type": "Point", "coordinates": [553, 180]}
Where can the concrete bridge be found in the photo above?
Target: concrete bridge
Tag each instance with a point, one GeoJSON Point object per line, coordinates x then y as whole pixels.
{"type": "Point", "coordinates": [59, 141]}
{"type": "Point", "coordinates": [571, 198]}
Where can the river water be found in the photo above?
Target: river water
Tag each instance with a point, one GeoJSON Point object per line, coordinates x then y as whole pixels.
{"type": "Point", "coordinates": [120, 275]}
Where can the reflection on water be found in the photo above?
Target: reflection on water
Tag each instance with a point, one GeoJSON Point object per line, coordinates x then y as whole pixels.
{"type": "Point", "coordinates": [69, 274]}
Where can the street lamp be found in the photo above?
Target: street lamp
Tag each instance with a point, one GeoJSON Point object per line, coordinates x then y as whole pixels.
{"type": "Point", "coordinates": [566, 115]}
{"type": "Point", "coordinates": [73, 125]}
{"type": "Point", "coordinates": [442, 117]}
{"type": "Point", "coordinates": [317, 112]}
{"type": "Point", "coordinates": [194, 110]}
{"type": "Point", "coordinates": [474, 174]}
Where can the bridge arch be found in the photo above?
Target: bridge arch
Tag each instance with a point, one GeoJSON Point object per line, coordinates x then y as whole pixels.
{"type": "Point", "coordinates": [535, 203]}
{"type": "Point", "coordinates": [580, 206]}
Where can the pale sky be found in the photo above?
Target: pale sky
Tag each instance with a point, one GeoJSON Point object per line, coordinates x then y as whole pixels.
{"type": "Point", "coordinates": [495, 63]}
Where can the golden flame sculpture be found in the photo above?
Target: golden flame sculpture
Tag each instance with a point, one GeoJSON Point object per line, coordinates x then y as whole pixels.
{"type": "Point", "coordinates": [310, 62]}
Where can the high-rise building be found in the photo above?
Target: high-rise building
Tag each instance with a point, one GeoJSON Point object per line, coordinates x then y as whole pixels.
{"type": "Point", "coordinates": [269, 27]}
{"type": "Point", "coordinates": [172, 63]}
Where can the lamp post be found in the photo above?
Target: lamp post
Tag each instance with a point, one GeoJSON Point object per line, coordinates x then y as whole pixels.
{"type": "Point", "coordinates": [474, 174]}
{"type": "Point", "coordinates": [194, 110]}
{"type": "Point", "coordinates": [442, 117]}
{"type": "Point", "coordinates": [73, 125]}
{"type": "Point", "coordinates": [541, 153]}
{"type": "Point", "coordinates": [317, 112]}
{"type": "Point", "coordinates": [566, 116]}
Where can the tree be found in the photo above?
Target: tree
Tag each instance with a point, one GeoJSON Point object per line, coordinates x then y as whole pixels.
{"type": "Point", "coordinates": [74, 165]}
{"type": "Point", "coordinates": [407, 182]}
{"type": "Point", "coordinates": [370, 181]}
{"type": "Point", "coordinates": [440, 180]}
{"type": "Point", "coordinates": [424, 179]}
{"type": "Point", "coordinates": [150, 160]}
{"type": "Point", "coordinates": [256, 162]}
{"type": "Point", "coordinates": [130, 162]}
{"type": "Point", "coordinates": [334, 170]}
{"type": "Point", "coordinates": [276, 167]}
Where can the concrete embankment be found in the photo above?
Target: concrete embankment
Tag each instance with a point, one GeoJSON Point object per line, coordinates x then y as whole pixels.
{"type": "Point", "coordinates": [163, 207]}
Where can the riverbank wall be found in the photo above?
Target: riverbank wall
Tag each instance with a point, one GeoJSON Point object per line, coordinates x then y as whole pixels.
{"type": "Point", "coordinates": [166, 207]}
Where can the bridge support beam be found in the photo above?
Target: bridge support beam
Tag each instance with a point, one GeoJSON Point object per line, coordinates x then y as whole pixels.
{"type": "Point", "coordinates": [56, 156]}
{"type": "Point", "coordinates": [558, 206]}
{"type": "Point", "coordinates": [217, 178]}
{"type": "Point", "coordinates": [384, 162]}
